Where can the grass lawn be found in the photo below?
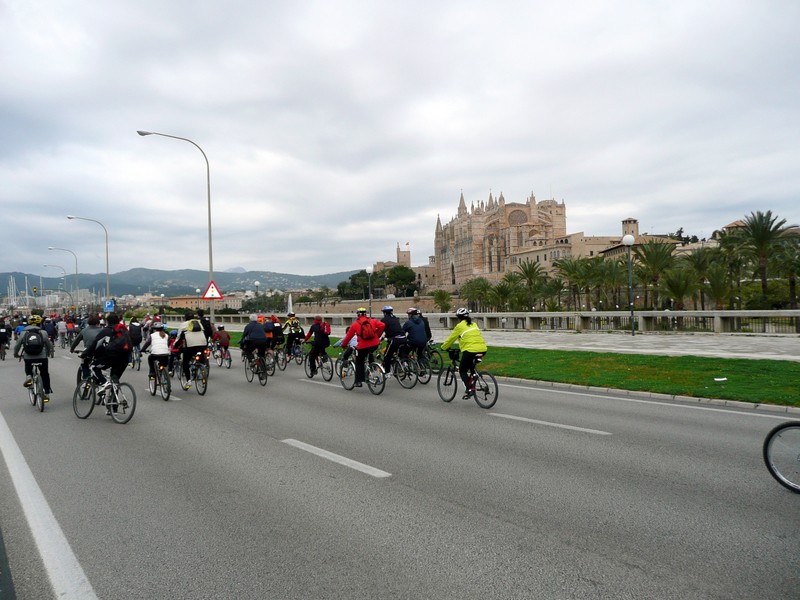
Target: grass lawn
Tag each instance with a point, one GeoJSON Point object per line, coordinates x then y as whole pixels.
{"type": "Point", "coordinates": [757, 381]}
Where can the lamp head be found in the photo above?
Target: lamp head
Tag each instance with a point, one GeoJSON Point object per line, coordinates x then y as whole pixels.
{"type": "Point", "coordinates": [70, 216]}
{"type": "Point", "coordinates": [143, 133]}
{"type": "Point", "coordinates": [50, 248]}
{"type": "Point", "coordinates": [628, 240]}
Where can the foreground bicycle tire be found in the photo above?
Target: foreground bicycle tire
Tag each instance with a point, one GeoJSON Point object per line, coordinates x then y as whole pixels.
{"type": "Point", "coordinates": [486, 390]}
{"type": "Point", "coordinates": [376, 380]}
{"type": "Point", "coordinates": [83, 399]}
{"type": "Point", "coordinates": [347, 374]}
{"type": "Point", "coordinates": [249, 370]}
{"type": "Point", "coordinates": [782, 454]}
{"type": "Point", "coordinates": [406, 376]}
{"type": "Point", "coordinates": [447, 384]}
{"type": "Point", "coordinates": [435, 362]}
{"type": "Point", "coordinates": [280, 358]}
{"type": "Point", "coordinates": [164, 384]}
{"type": "Point", "coordinates": [124, 400]}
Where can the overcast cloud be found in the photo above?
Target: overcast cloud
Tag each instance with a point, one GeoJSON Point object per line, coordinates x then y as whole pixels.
{"type": "Point", "coordinates": [336, 129]}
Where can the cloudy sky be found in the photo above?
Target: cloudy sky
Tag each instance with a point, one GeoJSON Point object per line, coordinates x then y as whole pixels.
{"type": "Point", "coordinates": [336, 129]}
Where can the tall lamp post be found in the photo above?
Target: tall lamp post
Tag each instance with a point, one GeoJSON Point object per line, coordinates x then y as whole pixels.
{"type": "Point", "coordinates": [369, 278]}
{"type": "Point", "coordinates": [256, 283]}
{"type": "Point", "coordinates": [77, 285]}
{"type": "Point", "coordinates": [208, 187]}
{"type": "Point", "coordinates": [628, 240]}
{"type": "Point", "coordinates": [108, 284]}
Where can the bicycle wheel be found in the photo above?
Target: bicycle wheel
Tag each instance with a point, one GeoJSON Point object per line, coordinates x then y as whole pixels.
{"type": "Point", "coordinates": [181, 376]}
{"type": "Point", "coordinates": [376, 380]}
{"type": "Point", "coordinates": [326, 368]}
{"type": "Point", "coordinates": [269, 363]}
{"type": "Point", "coordinates": [280, 358]}
{"type": "Point", "coordinates": [248, 369]}
{"type": "Point", "coordinates": [782, 454]}
{"type": "Point", "coordinates": [262, 372]}
{"type": "Point", "coordinates": [447, 384]}
{"type": "Point", "coordinates": [83, 399]}
{"type": "Point", "coordinates": [39, 387]}
{"type": "Point", "coordinates": [298, 355]}
{"type": "Point", "coordinates": [307, 369]}
{"type": "Point", "coordinates": [227, 361]}
{"type": "Point", "coordinates": [424, 372]}
{"type": "Point", "coordinates": [152, 384]}
{"type": "Point", "coordinates": [137, 359]}
{"type": "Point", "coordinates": [201, 379]}
{"type": "Point", "coordinates": [164, 384]}
{"type": "Point", "coordinates": [435, 362]}
{"type": "Point", "coordinates": [32, 393]}
{"type": "Point", "coordinates": [486, 389]}
{"type": "Point", "coordinates": [123, 403]}
{"type": "Point", "coordinates": [404, 374]}
{"type": "Point", "coordinates": [347, 374]}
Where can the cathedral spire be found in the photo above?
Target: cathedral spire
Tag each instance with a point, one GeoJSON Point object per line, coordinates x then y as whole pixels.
{"type": "Point", "coordinates": [462, 206]}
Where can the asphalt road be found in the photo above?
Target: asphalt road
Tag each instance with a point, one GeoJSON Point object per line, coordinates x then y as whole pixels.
{"type": "Point", "coordinates": [551, 494]}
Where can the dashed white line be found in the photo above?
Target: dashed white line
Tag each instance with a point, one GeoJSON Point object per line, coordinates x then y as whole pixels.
{"type": "Point", "coordinates": [63, 569]}
{"type": "Point", "coordinates": [337, 458]}
{"type": "Point", "coordinates": [549, 424]}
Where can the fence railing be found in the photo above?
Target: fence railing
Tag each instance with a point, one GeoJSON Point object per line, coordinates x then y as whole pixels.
{"type": "Point", "coordinates": [764, 322]}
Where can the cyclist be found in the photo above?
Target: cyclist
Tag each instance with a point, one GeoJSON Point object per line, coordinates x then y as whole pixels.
{"type": "Point", "coordinates": [295, 332]}
{"type": "Point", "coordinates": [369, 338]}
{"type": "Point", "coordinates": [321, 332]}
{"type": "Point", "coordinates": [158, 342]}
{"type": "Point", "coordinates": [109, 350]}
{"type": "Point", "coordinates": [193, 340]}
{"type": "Point", "coordinates": [222, 338]}
{"type": "Point", "coordinates": [174, 351]}
{"type": "Point", "coordinates": [135, 331]}
{"type": "Point", "coordinates": [208, 328]}
{"type": "Point", "coordinates": [416, 335]}
{"type": "Point", "coordinates": [395, 337]}
{"type": "Point", "coordinates": [35, 352]}
{"type": "Point", "coordinates": [254, 338]}
{"type": "Point", "coordinates": [277, 332]}
{"type": "Point", "coordinates": [61, 329]}
{"type": "Point", "coordinates": [50, 328]}
{"type": "Point", "coordinates": [470, 341]}
{"type": "Point", "coordinates": [5, 332]}
{"type": "Point", "coordinates": [87, 336]}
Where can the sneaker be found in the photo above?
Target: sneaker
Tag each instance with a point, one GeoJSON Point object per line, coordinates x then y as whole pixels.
{"type": "Point", "coordinates": [28, 382]}
{"type": "Point", "coordinates": [388, 375]}
{"type": "Point", "coordinates": [467, 396]}
{"type": "Point", "coordinates": [358, 384]}
{"type": "Point", "coordinates": [46, 398]}
{"type": "Point", "coordinates": [188, 384]}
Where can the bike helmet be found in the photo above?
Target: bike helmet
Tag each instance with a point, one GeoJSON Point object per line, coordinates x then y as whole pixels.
{"type": "Point", "coordinates": [387, 309]}
{"type": "Point", "coordinates": [173, 333]}
{"type": "Point", "coordinates": [158, 326]}
{"type": "Point", "coordinates": [34, 320]}
{"type": "Point", "coordinates": [220, 327]}
{"type": "Point", "coordinates": [361, 311]}
{"type": "Point", "coordinates": [462, 313]}
{"type": "Point", "coordinates": [291, 314]}
{"type": "Point", "coordinates": [412, 311]}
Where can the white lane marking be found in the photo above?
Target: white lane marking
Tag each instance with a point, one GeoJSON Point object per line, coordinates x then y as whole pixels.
{"type": "Point", "coordinates": [342, 460]}
{"type": "Point", "coordinates": [548, 424]}
{"type": "Point", "coordinates": [63, 569]}
{"type": "Point", "coordinates": [319, 382]}
{"type": "Point", "coordinates": [782, 417]}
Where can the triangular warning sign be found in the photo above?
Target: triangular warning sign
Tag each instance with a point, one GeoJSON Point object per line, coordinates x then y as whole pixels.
{"type": "Point", "coordinates": [212, 293]}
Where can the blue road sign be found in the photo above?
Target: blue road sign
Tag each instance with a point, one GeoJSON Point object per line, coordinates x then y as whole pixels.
{"type": "Point", "coordinates": [108, 306]}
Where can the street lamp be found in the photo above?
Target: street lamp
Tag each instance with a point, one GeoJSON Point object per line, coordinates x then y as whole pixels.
{"type": "Point", "coordinates": [256, 283]}
{"type": "Point", "coordinates": [63, 271]}
{"type": "Point", "coordinates": [208, 186]}
{"type": "Point", "coordinates": [77, 286]}
{"type": "Point", "coordinates": [108, 285]}
{"type": "Point", "coordinates": [628, 240]}
{"type": "Point", "coordinates": [369, 279]}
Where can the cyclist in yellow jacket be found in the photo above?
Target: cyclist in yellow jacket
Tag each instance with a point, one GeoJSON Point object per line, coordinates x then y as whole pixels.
{"type": "Point", "coordinates": [470, 342]}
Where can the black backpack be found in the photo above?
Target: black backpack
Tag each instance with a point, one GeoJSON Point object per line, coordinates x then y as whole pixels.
{"type": "Point", "coordinates": [33, 342]}
{"type": "Point", "coordinates": [119, 342]}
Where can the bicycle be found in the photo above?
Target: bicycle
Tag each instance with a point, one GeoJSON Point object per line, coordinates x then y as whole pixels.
{"type": "Point", "coordinates": [297, 353]}
{"type": "Point", "coordinates": [118, 398]}
{"type": "Point", "coordinates": [36, 389]}
{"type": "Point", "coordinates": [281, 360]}
{"type": "Point", "coordinates": [324, 366]}
{"type": "Point", "coordinates": [222, 355]}
{"type": "Point", "coordinates": [62, 340]}
{"type": "Point", "coordinates": [375, 377]}
{"type": "Point", "coordinates": [782, 454]}
{"type": "Point", "coordinates": [198, 372]}
{"type": "Point", "coordinates": [254, 365]}
{"type": "Point", "coordinates": [422, 367]}
{"type": "Point", "coordinates": [161, 383]}
{"type": "Point", "coordinates": [136, 358]}
{"type": "Point", "coordinates": [482, 384]}
{"type": "Point", "coordinates": [404, 369]}
{"type": "Point", "coordinates": [433, 357]}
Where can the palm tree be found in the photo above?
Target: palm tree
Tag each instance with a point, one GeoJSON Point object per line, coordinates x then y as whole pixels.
{"type": "Point", "coordinates": [787, 263]}
{"type": "Point", "coordinates": [718, 283]}
{"type": "Point", "coordinates": [442, 300]}
{"type": "Point", "coordinates": [569, 268]}
{"type": "Point", "coordinates": [533, 277]}
{"type": "Point", "coordinates": [761, 235]}
{"type": "Point", "coordinates": [653, 258]}
{"type": "Point", "coordinates": [475, 292]}
{"type": "Point", "coordinates": [500, 296]}
{"type": "Point", "coordinates": [700, 260]}
{"type": "Point", "coordinates": [679, 282]}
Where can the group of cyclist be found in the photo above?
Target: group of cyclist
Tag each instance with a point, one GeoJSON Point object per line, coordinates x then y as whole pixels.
{"type": "Point", "coordinates": [261, 335]}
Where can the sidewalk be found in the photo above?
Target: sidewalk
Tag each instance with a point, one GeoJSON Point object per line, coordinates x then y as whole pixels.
{"type": "Point", "coordinates": [777, 347]}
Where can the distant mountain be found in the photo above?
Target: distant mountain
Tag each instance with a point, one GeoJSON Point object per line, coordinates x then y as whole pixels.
{"type": "Point", "coordinates": [173, 283]}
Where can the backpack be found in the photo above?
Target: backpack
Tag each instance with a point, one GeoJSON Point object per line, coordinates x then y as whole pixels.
{"type": "Point", "coordinates": [367, 330]}
{"type": "Point", "coordinates": [194, 326]}
{"type": "Point", "coordinates": [33, 343]}
{"type": "Point", "coordinates": [119, 342]}
{"type": "Point", "coordinates": [325, 327]}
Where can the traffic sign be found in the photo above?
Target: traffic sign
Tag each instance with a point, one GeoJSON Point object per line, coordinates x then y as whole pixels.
{"type": "Point", "coordinates": [108, 306]}
{"type": "Point", "coordinates": [212, 292]}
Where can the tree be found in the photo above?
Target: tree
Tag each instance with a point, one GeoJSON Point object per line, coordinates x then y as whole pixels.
{"type": "Point", "coordinates": [475, 292]}
{"type": "Point", "coordinates": [700, 260]}
{"type": "Point", "coordinates": [443, 300]}
{"type": "Point", "coordinates": [653, 258]}
{"type": "Point", "coordinates": [718, 283]}
{"type": "Point", "coordinates": [533, 277]}
{"type": "Point", "coordinates": [760, 236]}
{"type": "Point", "coordinates": [787, 263]}
{"type": "Point", "coordinates": [403, 279]}
{"type": "Point", "coordinates": [679, 282]}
